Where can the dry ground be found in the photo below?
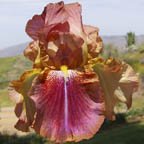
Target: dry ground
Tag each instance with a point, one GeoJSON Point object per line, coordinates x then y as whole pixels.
{"type": "Point", "coordinates": [8, 120]}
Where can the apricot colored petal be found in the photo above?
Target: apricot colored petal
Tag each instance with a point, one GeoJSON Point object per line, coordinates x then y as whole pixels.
{"type": "Point", "coordinates": [118, 81]}
{"type": "Point", "coordinates": [94, 41]}
{"type": "Point", "coordinates": [65, 110]}
{"type": "Point", "coordinates": [25, 108]}
{"type": "Point", "coordinates": [90, 81]}
{"type": "Point", "coordinates": [65, 50]}
{"type": "Point", "coordinates": [129, 83]}
{"type": "Point", "coordinates": [31, 51]}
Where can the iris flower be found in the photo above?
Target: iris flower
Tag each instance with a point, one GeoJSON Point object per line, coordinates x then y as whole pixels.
{"type": "Point", "coordinates": [70, 90]}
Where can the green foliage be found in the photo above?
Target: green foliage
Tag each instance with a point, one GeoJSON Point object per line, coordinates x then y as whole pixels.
{"type": "Point", "coordinates": [126, 134]}
{"type": "Point", "coordinates": [141, 48]}
{"type": "Point", "coordinates": [110, 51]}
{"type": "Point", "coordinates": [11, 68]}
{"type": "Point", "coordinates": [6, 63]}
{"type": "Point", "coordinates": [14, 139]}
{"type": "Point", "coordinates": [137, 109]}
{"type": "Point", "coordinates": [133, 113]}
{"type": "Point", "coordinates": [136, 59]}
{"type": "Point", "coordinates": [123, 134]}
{"type": "Point", "coordinates": [5, 99]}
{"type": "Point", "coordinates": [130, 39]}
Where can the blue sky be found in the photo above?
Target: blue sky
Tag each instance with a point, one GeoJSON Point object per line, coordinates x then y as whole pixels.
{"type": "Point", "coordinates": [113, 17]}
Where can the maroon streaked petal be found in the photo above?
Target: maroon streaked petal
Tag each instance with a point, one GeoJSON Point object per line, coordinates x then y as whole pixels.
{"type": "Point", "coordinates": [65, 110]}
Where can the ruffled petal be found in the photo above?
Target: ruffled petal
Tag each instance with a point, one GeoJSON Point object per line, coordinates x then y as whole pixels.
{"type": "Point", "coordinates": [31, 51]}
{"type": "Point", "coordinates": [55, 17]}
{"type": "Point", "coordinates": [94, 41]}
{"type": "Point", "coordinates": [65, 110]}
{"type": "Point", "coordinates": [65, 49]}
{"type": "Point", "coordinates": [118, 81]}
{"type": "Point", "coordinates": [59, 28]}
{"type": "Point", "coordinates": [35, 26]}
{"type": "Point", "coordinates": [129, 83]}
{"type": "Point", "coordinates": [25, 107]}
{"type": "Point", "coordinates": [37, 53]}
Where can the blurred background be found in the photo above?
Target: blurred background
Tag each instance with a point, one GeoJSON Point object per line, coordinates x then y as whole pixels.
{"type": "Point", "coordinates": [121, 25]}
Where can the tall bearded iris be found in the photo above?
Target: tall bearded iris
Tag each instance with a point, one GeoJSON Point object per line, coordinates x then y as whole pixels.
{"type": "Point", "coordinates": [70, 90]}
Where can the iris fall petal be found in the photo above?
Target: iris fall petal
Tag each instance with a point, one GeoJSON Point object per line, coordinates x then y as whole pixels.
{"type": "Point", "coordinates": [65, 110]}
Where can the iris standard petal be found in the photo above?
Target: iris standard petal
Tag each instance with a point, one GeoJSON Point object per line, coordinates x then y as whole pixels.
{"type": "Point", "coordinates": [118, 81]}
{"type": "Point", "coordinates": [60, 29]}
{"type": "Point", "coordinates": [31, 51]}
{"type": "Point", "coordinates": [94, 41]}
{"type": "Point", "coordinates": [65, 109]}
{"type": "Point", "coordinates": [65, 49]}
{"type": "Point", "coordinates": [54, 18]}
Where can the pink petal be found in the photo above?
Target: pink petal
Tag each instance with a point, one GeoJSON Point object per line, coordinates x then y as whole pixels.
{"type": "Point", "coordinates": [65, 110]}
{"type": "Point", "coordinates": [34, 26]}
{"type": "Point", "coordinates": [52, 19]}
{"type": "Point", "coordinates": [75, 18]}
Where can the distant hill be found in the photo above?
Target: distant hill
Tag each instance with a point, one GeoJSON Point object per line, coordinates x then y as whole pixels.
{"type": "Point", "coordinates": [13, 50]}
{"type": "Point", "coordinates": [118, 41]}
{"type": "Point", "coordinates": [11, 68]}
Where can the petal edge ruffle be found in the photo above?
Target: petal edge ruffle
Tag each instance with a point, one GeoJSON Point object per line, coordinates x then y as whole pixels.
{"type": "Point", "coordinates": [118, 81]}
{"type": "Point", "coordinates": [65, 111]}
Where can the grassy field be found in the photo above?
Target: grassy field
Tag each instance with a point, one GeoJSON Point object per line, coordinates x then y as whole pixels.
{"type": "Point", "coordinates": [11, 68]}
{"type": "Point", "coordinates": [5, 100]}
{"type": "Point", "coordinates": [124, 134]}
